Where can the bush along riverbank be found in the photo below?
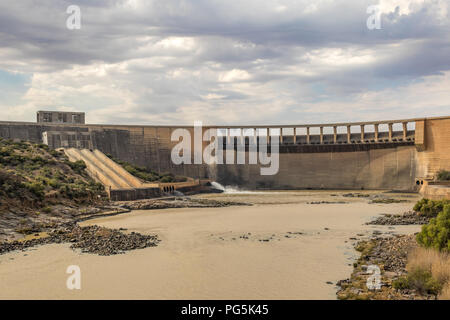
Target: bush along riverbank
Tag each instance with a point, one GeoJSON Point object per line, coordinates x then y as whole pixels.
{"type": "Point", "coordinates": [411, 267]}
{"type": "Point", "coordinates": [423, 211]}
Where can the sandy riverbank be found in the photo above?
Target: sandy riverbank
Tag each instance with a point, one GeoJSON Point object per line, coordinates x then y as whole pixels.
{"type": "Point", "coordinates": [283, 247]}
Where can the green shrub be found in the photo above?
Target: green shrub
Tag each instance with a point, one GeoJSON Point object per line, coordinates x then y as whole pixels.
{"type": "Point", "coordinates": [47, 209]}
{"type": "Point", "coordinates": [401, 283]}
{"type": "Point", "coordinates": [77, 166]}
{"type": "Point", "coordinates": [141, 172]}
{"type": "Point", "coordinates": [24, 230]}
{"type": "Point", "coordinates": [43, 146]}
{"type": "Point", "coordinates": [443, 175]}
{"type": "Point", "coordinates": [436, 234]}
{"type": "Point", "coordinates": [180, 179]}
{"type": "Point", "coordinates": [420, 280]}
{"type": "Point", "coordinates": [10, 184]}
{"type": "Point", "coordinates": [430, 208]}
{"type": "Point", "coordinates": [55, 153]}
{"type": "Point", "coordinates": [96, 186]}
{"type": "Point", "coordinates": [167, 179]}
{"type": "Point", "coordinates": [28, 171]}
{"type": "Point", "coordinates": [37, 188]}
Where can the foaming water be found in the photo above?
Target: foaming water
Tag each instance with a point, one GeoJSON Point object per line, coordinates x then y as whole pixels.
{"type": "Point", "coordinates": [178, 193]}
{"type": "Point", "coordinates": [217, 186]}
{"type": "Point", "coordinates": [237, 190]}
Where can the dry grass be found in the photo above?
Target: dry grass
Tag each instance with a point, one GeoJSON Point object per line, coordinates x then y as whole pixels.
{"type": "Point", "coordinates": [438, 263]}
{"type": "Point", "coordinates": [445, 294]}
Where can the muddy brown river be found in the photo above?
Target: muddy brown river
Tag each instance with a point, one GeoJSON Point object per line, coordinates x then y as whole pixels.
{"type": "Point", "coordinates": [285, 246]}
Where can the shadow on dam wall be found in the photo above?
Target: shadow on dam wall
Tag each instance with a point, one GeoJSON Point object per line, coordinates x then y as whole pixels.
{"type": "Point", "coordinates": [388, 168]}
{"type": "Point", "coordinates": [393, 158]}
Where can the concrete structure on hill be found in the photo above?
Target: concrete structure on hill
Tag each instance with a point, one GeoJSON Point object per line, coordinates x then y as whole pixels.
{"type": "Point", "coordinates": [60, 117]}
{"type": "Point", "coordinates": [391, 154]}
{"type": "Point", "coordinates": [119, 183]}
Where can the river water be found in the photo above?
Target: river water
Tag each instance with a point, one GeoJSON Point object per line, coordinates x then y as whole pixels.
{"type": "Point", "coordinates": [282, 247]}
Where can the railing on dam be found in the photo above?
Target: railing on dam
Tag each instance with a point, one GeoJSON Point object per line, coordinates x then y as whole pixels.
{"type": "Point", "coordinates": [374, 132]}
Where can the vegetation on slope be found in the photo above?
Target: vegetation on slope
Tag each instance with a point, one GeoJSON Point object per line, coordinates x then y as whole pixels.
{"type": "Point", "coordinates": [429, 266]}
{"type": "Point", "coordinates": [147, 174]}
{"type": "Point", "coordinates": [443, 175]}
{"type": "Point", "coordinates": [412, 267]}
{"type": "Point", "coordinates": [430, 208]}
{"type": "Point", "coordinates": [428, 273]}
{"type": "Point", "coordinates": [33, 176]}
{"type": "Point", "coordinates": [436, 234]}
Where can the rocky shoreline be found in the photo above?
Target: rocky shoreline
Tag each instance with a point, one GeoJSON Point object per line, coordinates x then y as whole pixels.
{"type": "Point", "coordinates": [390, 255]}
{"type": "Point", "coordinates": [60, 226]}
{"type": "Point", "coordinates": [177, 202]}
{"type": "Point", "coordinates": [14, 224]}
{"type": "Point", "coordinates": [90, 239]}
{"type": "Point", "coordinates": [406, 218]}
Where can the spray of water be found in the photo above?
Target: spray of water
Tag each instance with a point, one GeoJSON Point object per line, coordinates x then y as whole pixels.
{"type": "Point", "coordinates": [233, 189]}
{"type": "Point", "coordinates": [217, 186]}
{"type": "Point", "coordinates": [178, 193]}
{"type": "Point", "coordinates": [226, 189]}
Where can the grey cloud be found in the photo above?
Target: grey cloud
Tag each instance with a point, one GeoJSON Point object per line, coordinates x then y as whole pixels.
{"type": "Point", "coordinates": [253, 36]}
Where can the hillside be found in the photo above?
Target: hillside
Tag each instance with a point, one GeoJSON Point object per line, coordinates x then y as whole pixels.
{"type": "Point", "coordinates": [32, 176]}
{"type": "Point", "coordinates": [38, 185]}
{"type": "Point", "coordinates": [145, 174]}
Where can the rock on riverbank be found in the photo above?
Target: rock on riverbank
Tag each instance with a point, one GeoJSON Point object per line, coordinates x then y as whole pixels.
{"type": "Point", "coordinates": [177, 202]}
{"type": "Point", "coordinates": [406, 218]}
{"type": "Point", "coordinates": [91, 239]}
{"type": "Point", "coordinates": [390, 255]}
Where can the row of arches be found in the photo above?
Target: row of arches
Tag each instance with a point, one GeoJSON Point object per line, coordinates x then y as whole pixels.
{"type": "Point", "coordinates": [168, 188]}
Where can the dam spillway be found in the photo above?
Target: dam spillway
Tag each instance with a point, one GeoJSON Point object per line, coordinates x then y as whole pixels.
{"type": "Point", "coordinates": [390, 154]}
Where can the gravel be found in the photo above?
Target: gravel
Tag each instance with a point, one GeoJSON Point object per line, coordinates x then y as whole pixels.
{"type": "Point", "coordinates": [90, 239]}
{"type": "Point", "coordinates": [406, 218]}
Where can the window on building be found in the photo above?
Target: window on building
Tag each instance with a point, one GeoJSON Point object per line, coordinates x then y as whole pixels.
{"type": "Point", "coordinates": [47, 117]}
{"type": "Point", "coordinates": [76, 118]}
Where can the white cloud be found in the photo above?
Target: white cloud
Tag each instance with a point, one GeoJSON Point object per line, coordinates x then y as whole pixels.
{"type": "Point", "coordinates": [234, 75]}
{"type": "Point", "coordinates": [139, 61]}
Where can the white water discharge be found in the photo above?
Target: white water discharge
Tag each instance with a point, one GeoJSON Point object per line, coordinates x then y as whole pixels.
{"type": "Point", "coordinates": [217, 186]}
{"type": "Point", "coordinates": [229, 189]}
{"type": "Point", "coordinates": [178, 193]}
{"type": "Point", "coordinates": [236, 190]}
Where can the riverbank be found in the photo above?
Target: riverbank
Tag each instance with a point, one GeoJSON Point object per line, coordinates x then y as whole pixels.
{"type": "Point", "coordinates": [389, 254]}
{"type": "Point", "coordinates": [16, 224]}
{"type": "Point", "coordinates": [405, 218]}
{"type": "Point", "coordinates": [90, 239]}
{"type": "Point", "coordinates": [281, 247]}
{"type": "Point", "coordinates": [41, 190]}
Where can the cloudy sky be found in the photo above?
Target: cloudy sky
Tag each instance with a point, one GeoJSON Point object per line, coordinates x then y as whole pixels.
{"type": "Point", "coordinates": [225, 62]}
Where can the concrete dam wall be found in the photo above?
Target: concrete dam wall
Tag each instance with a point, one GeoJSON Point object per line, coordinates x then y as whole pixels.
{"type": "Point", "coordinates": [392, 168]}
{"type": "Point", "coordinates": [392, 154]}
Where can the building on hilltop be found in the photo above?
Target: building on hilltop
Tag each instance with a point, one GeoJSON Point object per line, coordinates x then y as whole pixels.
{"type": "Point", "coordinates": [60, 117]}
